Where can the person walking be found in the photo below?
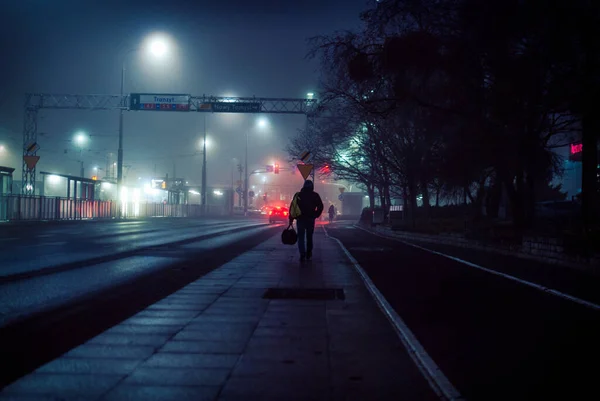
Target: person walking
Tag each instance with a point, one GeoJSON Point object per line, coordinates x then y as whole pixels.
{"type": "Point", "coordinates": [331, 213]}
{"type": "Point", "coordinates": [306, 207]}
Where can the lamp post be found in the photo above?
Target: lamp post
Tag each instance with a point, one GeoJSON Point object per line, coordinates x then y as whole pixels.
{"type": "Point", "coordinates": [203, 201]}
{"type": "Point", "coordinates": [158, 47]}
{"type": "Point", "coordinates": [262, 123]}
{"type": "Point", "coordinates": [80, 139]}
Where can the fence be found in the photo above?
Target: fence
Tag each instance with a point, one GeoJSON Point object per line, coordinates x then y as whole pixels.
{"type": "Point", "coordinates": [19, 207]}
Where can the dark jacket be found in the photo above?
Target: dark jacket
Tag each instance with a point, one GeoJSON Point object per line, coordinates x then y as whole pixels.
{"type": "Point", "coordinates": [310, 204]}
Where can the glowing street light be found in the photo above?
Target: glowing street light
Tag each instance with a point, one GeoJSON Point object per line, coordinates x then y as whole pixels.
{"type": "Point", "coordinates": [80, 138]}
{"type": "Point", "coordinates": [310, 95]}
{"type": "Point", "coordinates": [263, 122]}
{"type": "Point", "coordinates": [158, 46]}
{"type": "Point", "coordinates": [208, 143]}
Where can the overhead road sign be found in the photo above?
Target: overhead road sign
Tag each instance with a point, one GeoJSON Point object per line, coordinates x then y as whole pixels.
{"type": "Point", "coordinates": [31, 161]}
{"type": "Point", "coordinates": [305, 170]}
{"type": "Point", "coordinates": [32, 147]}
{"type": "Point", "coordinates": [305, 156]}
{"type": "Point", "coordinates": [159, 101]}
{"type": "Point", "coordinates": [230, 107]}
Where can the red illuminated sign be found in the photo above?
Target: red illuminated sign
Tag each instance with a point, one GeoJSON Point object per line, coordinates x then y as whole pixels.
{"type": "Point", "coordinates": [575, 152]}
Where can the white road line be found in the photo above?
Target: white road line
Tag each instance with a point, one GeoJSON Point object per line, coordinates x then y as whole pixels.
{"type": "Point", "coordinates": [432, 373]}
{"type": "Point", "coordinates": [45, 235]}
{"type": "Point", "coordinates": [497, 273]}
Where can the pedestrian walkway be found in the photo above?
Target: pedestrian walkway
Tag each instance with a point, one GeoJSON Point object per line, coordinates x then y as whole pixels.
{"type": "Point", "coordinates": [219, 339]}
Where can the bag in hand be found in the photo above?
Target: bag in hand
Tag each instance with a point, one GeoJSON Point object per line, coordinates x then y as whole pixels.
{"type": "Point", "coordinates": [289, 236]}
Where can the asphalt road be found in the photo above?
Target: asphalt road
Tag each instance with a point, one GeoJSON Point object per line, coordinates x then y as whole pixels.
{"type": "Point", "coordinates": [34, 247]}
{"type": "Point", "coordinates": [48, 308]}
{"type": "Point", "coordinates": [494, 338]}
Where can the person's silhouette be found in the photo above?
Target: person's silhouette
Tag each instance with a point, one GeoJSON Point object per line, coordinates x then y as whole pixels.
{"type": "Point", "coordinates": [306, 207]}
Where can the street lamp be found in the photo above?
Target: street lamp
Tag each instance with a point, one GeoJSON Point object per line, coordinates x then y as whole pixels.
{"type": "Point", "coordinates": [262, 123]}
{"type": "Point", "coordinates": [157, 45]}
{"type": "Point", "coordinates": [80, 140]}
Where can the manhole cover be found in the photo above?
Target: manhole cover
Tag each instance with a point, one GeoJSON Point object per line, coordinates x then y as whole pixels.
{"type": "Point", "coordinates": [305, 293]}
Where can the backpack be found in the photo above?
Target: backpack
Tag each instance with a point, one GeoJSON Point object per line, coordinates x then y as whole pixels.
{"type": "Point", "coordinates": [295, 211]}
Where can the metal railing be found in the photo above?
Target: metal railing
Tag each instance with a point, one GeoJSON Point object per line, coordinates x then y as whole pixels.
{"type": "Point", "coordinates": [30, 208]}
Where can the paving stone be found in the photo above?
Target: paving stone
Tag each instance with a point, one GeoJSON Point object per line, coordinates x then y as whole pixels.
{"type": "Point", "coordinates": [130, 339]}
{"type": "Point", "coordinates": [158, 321]}
{"type": "Point", "coordinates": [142, 329]}
{"type": "Point", "coordinates": [153, 313]}
{"type": "Point", "coordinates": [179, 307]}
{"type": "Point", "coordinates": [178, 377]}
{"type": "Point", "coordinates": [125, 392]}
{"type": "Point", "coordinates": [296, 388]}
{"type": "Point", "coordinates": [232, 327]}
{"type": "Point", "coordinates": [244, 293]}
{"type": "Point", "coordinates": [231, 318]}
{"type": "Point", "coordinates": [276, 365]}
{"type": "Point", "coordinates": [166, 360]}
{"type": "Point", "coordinates": [292, 332]}
{"type": "Point", "coordinates": [92, 365]}
{"type": "Point", "coordinates": [111, 351]}
{"type": "Point", "coordinates": [308, 345]}
{"type": "Point", "coordinates": [72, 385]}
{"type": "Point", "coordinates": [212, 335]}
{"type": "Point", "coordinates": [204, 347]}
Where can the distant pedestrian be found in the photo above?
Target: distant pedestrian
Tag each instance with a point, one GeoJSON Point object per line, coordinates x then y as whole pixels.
{"type": "Point", "coordinates": [331, 213]}
{"type": "Point", "coordinates": [306, 207]}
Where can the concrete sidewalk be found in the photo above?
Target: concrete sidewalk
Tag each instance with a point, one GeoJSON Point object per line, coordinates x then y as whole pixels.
{"type": "Point", "coordinates": [219, 339]}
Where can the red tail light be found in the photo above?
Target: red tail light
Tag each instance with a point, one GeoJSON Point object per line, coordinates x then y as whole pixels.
{"type": "Point", "coordinates": [285, 213]}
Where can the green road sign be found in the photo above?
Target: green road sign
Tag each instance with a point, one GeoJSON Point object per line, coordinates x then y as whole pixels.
{"type": "Point", "coordinates": [159, 102]}
{"type": "Point", "coordinates": [230, 107]}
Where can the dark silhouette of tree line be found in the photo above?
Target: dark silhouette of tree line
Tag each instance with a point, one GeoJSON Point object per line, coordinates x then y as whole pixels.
{"type": "Point", "coordinates": [440, 99]}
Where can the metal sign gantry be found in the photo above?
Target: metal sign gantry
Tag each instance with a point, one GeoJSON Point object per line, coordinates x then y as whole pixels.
{"type": "Point", "coordinates": [34, 102]}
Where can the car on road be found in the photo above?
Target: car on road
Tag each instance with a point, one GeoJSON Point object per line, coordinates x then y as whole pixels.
{"type": "Point", "coordinates": [279, 214]}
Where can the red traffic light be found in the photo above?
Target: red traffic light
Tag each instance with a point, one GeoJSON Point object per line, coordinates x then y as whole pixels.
{"type": "Point", "coordinates": [276, 169]}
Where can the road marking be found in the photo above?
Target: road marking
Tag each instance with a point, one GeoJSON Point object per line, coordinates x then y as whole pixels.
{"type": "Point", "coordinates": [45, 235]}
{"type": "Point", "coordinates": [428, 368]}
{"type": "Point", "coordinates": [497, 273]}
{"type": "Point", "coordinates": [47, 244]}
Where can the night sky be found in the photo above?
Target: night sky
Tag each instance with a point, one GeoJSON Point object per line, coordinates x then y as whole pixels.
{"type": "Point", "coordinates": [222, 48]}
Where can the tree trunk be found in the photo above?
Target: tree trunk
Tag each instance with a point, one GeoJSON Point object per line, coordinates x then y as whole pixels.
{"type": "Point", "coordinates": [388, 197]}
{"type": "Point", "coordinates": [493, 200]}
{"type": "Point", "coordinates": [405, 198]}
{"type": "Point", "coordinates": [589, 180]}
{"type": "Point", "coordinates": [426, 200]}
{"type": "Point", "coordinates": [371, 193]}
{"type": "Point", "coordinates": [412, 198]}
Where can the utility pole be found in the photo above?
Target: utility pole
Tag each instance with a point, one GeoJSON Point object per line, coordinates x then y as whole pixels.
{"type": "Point", "coordinates": [240, 169]}
{"type": "Point", "coordinates": [204, 169]}
{"type": "Point", "coordinates": [120, 151]}
{"type": "Point", "coordinates": [246, 178]}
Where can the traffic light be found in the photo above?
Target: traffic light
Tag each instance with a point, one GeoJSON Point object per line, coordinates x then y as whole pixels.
{"type": "Point", "coordinates": [276, 170]}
